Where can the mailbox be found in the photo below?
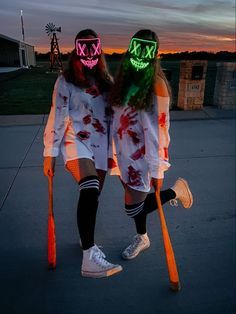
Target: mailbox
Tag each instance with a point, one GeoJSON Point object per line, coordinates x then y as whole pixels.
{"type": "Point", "coordinates": [225, 86]}
{"type": "Point", "coordinates": [197, 72]}
{"type": "Point", "coordinates": [191, 84]}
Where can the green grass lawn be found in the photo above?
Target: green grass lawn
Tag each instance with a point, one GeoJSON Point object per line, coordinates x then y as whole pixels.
{"type": "Point", "coordinates": [29, 91]}
{"type": "Point", "coordinates": [26, 91]}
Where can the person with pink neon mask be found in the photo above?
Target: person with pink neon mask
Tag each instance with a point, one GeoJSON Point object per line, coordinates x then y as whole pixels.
{"type": "Point", "coordinates": [88, 50]}
{"type": "Point", "coordinates": [78, 127]}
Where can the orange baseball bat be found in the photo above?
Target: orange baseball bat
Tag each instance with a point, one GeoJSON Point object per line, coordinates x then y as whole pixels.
{"type": "Point", "coordinates": [170, 257]}
{"type": "Point", "coordinates": [51, 227]}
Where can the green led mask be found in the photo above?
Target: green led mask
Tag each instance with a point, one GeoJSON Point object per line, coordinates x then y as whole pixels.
{"type": "Point", "coordinates": [141, 52]}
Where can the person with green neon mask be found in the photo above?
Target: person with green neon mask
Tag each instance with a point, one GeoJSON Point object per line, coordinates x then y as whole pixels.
{"type": "Point", "coordinates": [142, 52]}
{"type": "Point", "coordinates": [138, 153]}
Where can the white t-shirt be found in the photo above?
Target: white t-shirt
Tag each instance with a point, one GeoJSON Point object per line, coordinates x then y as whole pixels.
{"type": "Point", "coordinates": [138, 149]}
{"type": "Point", "coordinates": [77, 124]}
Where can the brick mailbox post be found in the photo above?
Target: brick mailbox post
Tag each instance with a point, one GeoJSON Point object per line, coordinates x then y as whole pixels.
{"type": "Point", "coordinates": [191, 84]}
{"type": "Point", "coordinates": [225, 87]}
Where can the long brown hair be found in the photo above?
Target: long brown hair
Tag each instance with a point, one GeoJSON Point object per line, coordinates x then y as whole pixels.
{"type": "Point", "coordinates": [145, 80]}
{"type": "Point", "coordinates": [79, 75]}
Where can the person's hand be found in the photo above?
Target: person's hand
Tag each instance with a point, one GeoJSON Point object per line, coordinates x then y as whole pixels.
{"type": "Point", "coordinates": [49, 166]}
{"type": "Point", "coordinates": [157, 183]}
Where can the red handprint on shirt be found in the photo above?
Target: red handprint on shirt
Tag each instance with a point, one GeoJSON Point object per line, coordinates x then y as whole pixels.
{"type": "Point", "coordinates": [126, 119]}
{"type": "Point", "coordinates": [139, 153]}
{"type": "Point", "coordinates": [133, 136]}
{"type": "Point", "coordinates": [166, 155]}
{"type": "Point", "coordinates": [87, 119]}
{"type": "Point", "coordinates": [162, 120]}
{"type": "Point", "coordinates": [134, 176]}
{"type": "Point", "coordinates": [111, 163]}
{"type": "Point", "coordinates": [98, 126]}
{"type": "Point", "coordinates": [93, 90]}
{"type": "Point", "coordinates": [64, 99]}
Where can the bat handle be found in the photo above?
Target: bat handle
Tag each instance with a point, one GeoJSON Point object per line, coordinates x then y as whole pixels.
{"type": "Point", "coordinates": [170, 258]}
{"type": "Point", "coordinates": [51, 227]}
{"type": "Point", "coordinates": [50, 195]}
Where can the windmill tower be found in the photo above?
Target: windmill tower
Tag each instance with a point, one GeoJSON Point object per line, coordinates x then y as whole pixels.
{"type": "Point", "coordinates": [55, 56]}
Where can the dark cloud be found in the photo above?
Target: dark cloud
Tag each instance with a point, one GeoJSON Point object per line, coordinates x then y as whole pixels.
{"type": "Point", "coordinates": [191, 6]}
{"type": "Point", "coordinates": [176, 23]}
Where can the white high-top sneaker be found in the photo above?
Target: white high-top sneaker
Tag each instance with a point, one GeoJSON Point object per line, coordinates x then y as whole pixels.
{"type": "Point", "coordinates": [183, 193]}
{"type": "Point", "coordinates": [94, 264]}
{"type": "Point", "coordinates": [140, 243]}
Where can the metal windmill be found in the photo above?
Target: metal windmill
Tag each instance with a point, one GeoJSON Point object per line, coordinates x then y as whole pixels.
{"type": "Point", "coordinates": [55, 55]}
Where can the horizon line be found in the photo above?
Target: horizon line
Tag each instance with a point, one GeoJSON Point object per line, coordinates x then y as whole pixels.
{"type": "Point", "coordinates": [121, 51]}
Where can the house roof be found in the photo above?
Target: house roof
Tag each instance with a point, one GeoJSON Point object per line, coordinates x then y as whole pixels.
{"type": "Point", "coordinates": [13, 40]}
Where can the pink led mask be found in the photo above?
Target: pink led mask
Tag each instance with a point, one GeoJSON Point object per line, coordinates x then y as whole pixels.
{"type": "Point", "coordinates": [88, 50]}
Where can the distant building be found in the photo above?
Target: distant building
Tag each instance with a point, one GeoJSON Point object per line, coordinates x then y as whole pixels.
{"type": "Point", "coordinates": [15, 53]}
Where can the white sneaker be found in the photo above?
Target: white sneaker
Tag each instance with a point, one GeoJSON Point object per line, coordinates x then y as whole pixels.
{"type": "Point", "coordinates": [94, 264]}
{"type": "Point", "coordinates": [81, 246]}
{"type": "Point", "coordinates": [183, 193]}
{"type": "Point", "coordinates": [140, 243]}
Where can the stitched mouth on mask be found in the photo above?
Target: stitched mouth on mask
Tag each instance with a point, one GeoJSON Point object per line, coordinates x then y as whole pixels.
{"type": "Point", "coordinates": [89, 63]}
{"type": "Point", "coordinates": [138, 64]}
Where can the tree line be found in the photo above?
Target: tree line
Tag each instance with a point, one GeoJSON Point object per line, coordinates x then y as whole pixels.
{"type": "Point", "coordinates": [186, 55]}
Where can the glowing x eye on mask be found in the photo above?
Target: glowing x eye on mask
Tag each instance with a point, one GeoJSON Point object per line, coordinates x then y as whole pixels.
{"type": "Point", "coordinates": [88, 49]}
{"type": "Point", "coordinates": [142, 51]}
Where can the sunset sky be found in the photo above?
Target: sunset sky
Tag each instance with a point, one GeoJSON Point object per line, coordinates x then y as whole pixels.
{"type": "Point", "coordinates": [180, 25]}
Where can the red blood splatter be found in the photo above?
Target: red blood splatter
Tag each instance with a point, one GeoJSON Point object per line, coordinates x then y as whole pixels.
{"type": "Point", "coordinates": [134, 176]}
{"type": "Point", "coordinates": [133, 136]}
{"type": "Point", "coordinates": [111, 163]}
{"type": "Point", "coordinates": [166, 155]}
{"type": "Point", "coordinates": [162, 120]}
{"type": "Point", "coordinates": [87, 119]}
{"type": "Point", "coordinates": [93, 90]}
{"type": "Point", "coordinates": [63, 97]}
{"type": "Point", "coordinates": [64, 101]}
{"type": "Point", "coordinates": [83, 135]}
{"type": "Point", "coordinates": [127, 119]}
{"type": "Point", "coordinates": [139, 153]}
{"type": "Point", "coordinates": [98, 126]}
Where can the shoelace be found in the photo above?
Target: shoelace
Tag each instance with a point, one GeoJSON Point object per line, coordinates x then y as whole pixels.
{"type": "Point", "coordinates": [134, 245]}
{"type": "Point", "coordinates": [99, 257]}
{"type": "Point", "coordinates": [174, 203]}
{"type": "Point", "coordinates": [98, 248]}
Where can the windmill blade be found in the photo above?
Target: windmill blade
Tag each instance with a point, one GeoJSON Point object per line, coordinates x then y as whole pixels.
{"type": "Point", "coordinates": [50, 28]}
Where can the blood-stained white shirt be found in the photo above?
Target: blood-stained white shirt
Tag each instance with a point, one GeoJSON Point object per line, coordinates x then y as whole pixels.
{"type": "Point", "coordinates": [77, 124]}
{"type": "Point", "coordinates": [139, 143]}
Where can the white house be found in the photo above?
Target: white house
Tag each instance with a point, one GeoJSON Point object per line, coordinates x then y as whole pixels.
{"type": "Point", "coordinates": [15, 53]}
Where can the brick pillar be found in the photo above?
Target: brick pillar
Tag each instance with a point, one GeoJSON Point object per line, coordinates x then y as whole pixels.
{"type": "Point", "coordinates": [225, 87]}
{"type": "Point", "coordinates": [191, 84]}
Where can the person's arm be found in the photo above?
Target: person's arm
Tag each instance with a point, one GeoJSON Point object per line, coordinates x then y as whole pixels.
{"type": "Point", "coordinates": [56, 124]}
{"type": "Point", "coordinates": [156, 133]}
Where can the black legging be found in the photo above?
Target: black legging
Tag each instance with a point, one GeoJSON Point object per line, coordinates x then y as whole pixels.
{"type": "Point", "coordinates": [150, 204]}
{"type": "Point", "coordinates": [87, 210]}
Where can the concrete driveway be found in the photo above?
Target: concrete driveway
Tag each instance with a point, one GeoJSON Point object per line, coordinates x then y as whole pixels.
{"type": "Point", "coordinates": [204, 238]}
